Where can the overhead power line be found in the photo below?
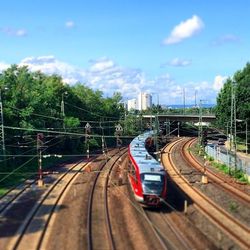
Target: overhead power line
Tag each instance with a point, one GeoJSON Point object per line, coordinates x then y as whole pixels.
{"type": "Point", "coordinates": [62, 133]}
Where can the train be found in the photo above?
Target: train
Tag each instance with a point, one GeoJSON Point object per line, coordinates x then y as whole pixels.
{"type": "Point", "coordinates": [146, 175]}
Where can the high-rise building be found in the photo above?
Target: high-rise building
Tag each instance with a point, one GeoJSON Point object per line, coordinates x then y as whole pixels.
{"type": "Point", "coordinates": [132, 104]}
{"type": "Point", "coordinates": [144, 101]}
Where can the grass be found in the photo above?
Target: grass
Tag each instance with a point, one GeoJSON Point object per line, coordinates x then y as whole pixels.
{"type": "Point", "coordinates": [3, 191]}
{"type": "Point", "coordinates": [25, 172]}
{"type": "Point", "coordinates": [237, 174]}
{"type": "Point", "coordinates": [233, 206]}
{"type": "Point", "coordinates": [241, 147]}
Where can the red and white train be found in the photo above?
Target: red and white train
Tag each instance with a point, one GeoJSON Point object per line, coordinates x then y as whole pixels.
{"type": "Point", "coordinates": [146, 175]}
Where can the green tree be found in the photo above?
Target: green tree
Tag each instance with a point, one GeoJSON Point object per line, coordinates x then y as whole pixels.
{"type": "Point", "coordinates": [241, 81]}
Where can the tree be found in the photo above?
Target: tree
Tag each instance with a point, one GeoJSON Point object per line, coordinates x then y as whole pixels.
{"type": "Point", "coordinates": [241, 79]}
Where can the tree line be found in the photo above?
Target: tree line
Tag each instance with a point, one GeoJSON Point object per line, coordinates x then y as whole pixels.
{"type": "Point", "coordinates": [239, 86]}
{"type": "Point", "coordinates": [34, 101]}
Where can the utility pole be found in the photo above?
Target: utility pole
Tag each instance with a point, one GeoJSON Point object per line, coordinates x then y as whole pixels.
{"type": "Point", "coordinates": [246, 138]}
{"type": "Point", "coordinates": [178, 123]}
{"type": "Point", "coordinates": [157, 127]}
{"type": "Point", "coordinates": [195, 93]}
{"type": "Point", "coordinates": [234, 120]}
{"type": "Point", "coordinates": [200, 122]}
{"type": "Point", "coordinates": [2, 126]}
{"type": "Point", "coordinates": [184, 101]}
{"type": "Point", "coordinates": [63, 107]}
{"type": "Point", "coordinates": [40, 144]}
{"type": "Point", "coordinates": [87, 132]}
{"type": "Point", "coordinates": [233, 126]}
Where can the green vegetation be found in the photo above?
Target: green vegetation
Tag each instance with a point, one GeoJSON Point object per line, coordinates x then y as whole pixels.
{"type": "Point", "coordinates": [37, 103]}
{"type": "Point", "coordinates": [237, 174]}
{"type": "Point", "coordinates": [242, 98]}
{"type": "Point", "coordinates": [233, 206]}
{"type": "Point", "coordinates": [3, 191]}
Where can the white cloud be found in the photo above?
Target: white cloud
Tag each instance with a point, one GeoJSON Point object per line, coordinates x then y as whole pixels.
{"type": "Point", "coordinates": [177, 62]}
{"type": "Point", "coordinates": [21, 32]}
{"type": "Point", "coordinates": [102, 74]}
{"type": "Point", "coordinates": [50, 65]}
{"type": "Point", "coordinates": [219, 82]}
{"type": "Point", "coordinates": [184, 30]}
{"type": "Point", "coordinates": [225, 39]}
{"type": "Point", "coordinates": [14, 32]}
{"type": "Point", "coordinates": [101, 64]}
{"type": "Point", "coordinates": [3, 66]}
{"type": "Point", "coordinates": [105, 75]}
{"type": "Point", "coordinates": [69, 24]}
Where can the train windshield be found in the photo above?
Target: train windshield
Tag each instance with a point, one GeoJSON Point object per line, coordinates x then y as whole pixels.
{"type": "Point", "coordinates": [152, 183]}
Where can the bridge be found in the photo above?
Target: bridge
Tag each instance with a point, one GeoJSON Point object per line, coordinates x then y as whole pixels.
{"type": "Point", "coordinates": [180, 117]}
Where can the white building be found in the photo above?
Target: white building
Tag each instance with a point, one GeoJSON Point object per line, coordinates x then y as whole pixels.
{"type": "Point", "coordinates": [144, 101]}
{"type": "Point", "coordinates": [132, 104]}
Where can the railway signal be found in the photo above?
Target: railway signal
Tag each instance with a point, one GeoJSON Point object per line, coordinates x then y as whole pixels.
{"type": "Point", "coordinates": [87, 137]}
{"type": "Point", "coordinates": [40, 145]}
{"type": "Point", "coordinates": [118, 133]}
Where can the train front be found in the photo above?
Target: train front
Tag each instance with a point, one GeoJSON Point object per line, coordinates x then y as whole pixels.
{"type": "Point", "coordinates": [153, 187]}
{"type": "Point", "coordinates": [147, 176]}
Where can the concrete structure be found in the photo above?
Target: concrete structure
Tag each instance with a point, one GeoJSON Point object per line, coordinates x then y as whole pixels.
{"type": "Point", "coordinates": [181, 118]}
{"type": "Point", "coordinates": [132, 104]}
{"type": "Point", "coordinates": [144, 101]}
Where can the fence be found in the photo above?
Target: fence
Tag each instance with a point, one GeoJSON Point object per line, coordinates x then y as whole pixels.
{"type": "Point", "coordinates": [223, 155]}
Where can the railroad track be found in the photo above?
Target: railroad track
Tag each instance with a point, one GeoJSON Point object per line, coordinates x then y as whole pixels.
{"type": "Point", "coordinates": [9, 198]}
{"type": "Point", "coordinates": [220, 181]}
{"type": "Point", "coordinates": [226, 222]}
{"type": "Point", "coordinates": [167, 233]}
{"type": "Point", "coordinates": [30, 234]}
{"type": "Point", "coordinates": [98, 224]}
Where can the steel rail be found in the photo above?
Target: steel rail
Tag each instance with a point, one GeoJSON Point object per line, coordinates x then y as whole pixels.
{"type": "Point", "coordinates": [28, 220]}
{"type": "Point", "coordinates": [233, 228]}
{"type": "Point", "coordinates": [108, 222]}
{"type": "Point", "coordinates": [177, 233]}
{"type": "Point", "coordinates": [229, 187]}
{"type": "Point", "coordinates": [157, 233]}
{"type": "Point", "coordinates": [6, 205]}
{"type": "Point", "coordinates": [90, 206]}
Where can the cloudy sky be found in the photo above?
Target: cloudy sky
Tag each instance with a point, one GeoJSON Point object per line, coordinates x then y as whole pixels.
{"type": "Point", "coordinates": [162, 47]}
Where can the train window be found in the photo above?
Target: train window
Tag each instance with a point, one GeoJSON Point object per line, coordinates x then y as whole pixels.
{"type": "Point", "coordinates": [150, 177]}
{"type": "Point", "coordinates": [152, 182]}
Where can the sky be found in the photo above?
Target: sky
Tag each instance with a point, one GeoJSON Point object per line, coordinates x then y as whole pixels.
{"type": "Point", "coordinates": [166, 48]}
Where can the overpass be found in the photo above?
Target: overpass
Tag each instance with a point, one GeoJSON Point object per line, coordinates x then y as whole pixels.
{"type": "Point", "coordinates": [180, 117]}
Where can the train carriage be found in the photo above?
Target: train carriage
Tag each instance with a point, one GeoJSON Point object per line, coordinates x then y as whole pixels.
{"type": "Point", "coordinates": [146, 175]}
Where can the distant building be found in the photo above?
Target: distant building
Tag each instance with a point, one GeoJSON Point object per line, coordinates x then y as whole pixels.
{"type": "Point", "coordinates": [132, 104]}
{"type": "Point", "coordinates": [144, 101]}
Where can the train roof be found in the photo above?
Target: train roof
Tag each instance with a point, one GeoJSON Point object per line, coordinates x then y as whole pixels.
{"type": "Point", "coordinates": [144, 160]}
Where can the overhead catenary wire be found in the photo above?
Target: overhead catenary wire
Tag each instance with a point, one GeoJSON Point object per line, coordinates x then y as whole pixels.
{"type": "Point", "coordinates": [61, 119]}
{"type": "Point", "coordinates": [63, 133]}
{"type": "Point", "coordinates": [25, 163]}
{"type": "Point", "coordinates": [92, 113]}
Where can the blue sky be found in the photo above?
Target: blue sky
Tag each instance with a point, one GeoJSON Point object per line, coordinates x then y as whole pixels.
{"type": "Point", "coordinates": [130, 45]}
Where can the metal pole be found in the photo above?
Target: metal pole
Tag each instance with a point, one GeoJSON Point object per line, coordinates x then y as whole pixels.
{"type": "Point", "coordinates": [235, 143]}
{"type": "Point", "coordinates": [246, 138]}
{"type": "Point", "coordinates": [40, 165]}
{"type": "Point", "coordinates": [63, 108]}
{"type": "Point", "coordinates": [184, 101]}
{"type": "Point", "coordinates": [200, 122]}
{"type": "Point", "coordinates": [231, 126]}
{"type": "Point", "coordinates": [2, 125]}
{"type": "Point", "coordinates": [178, 129]}
{"type": "Point", "coordinates": [195, 93]}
